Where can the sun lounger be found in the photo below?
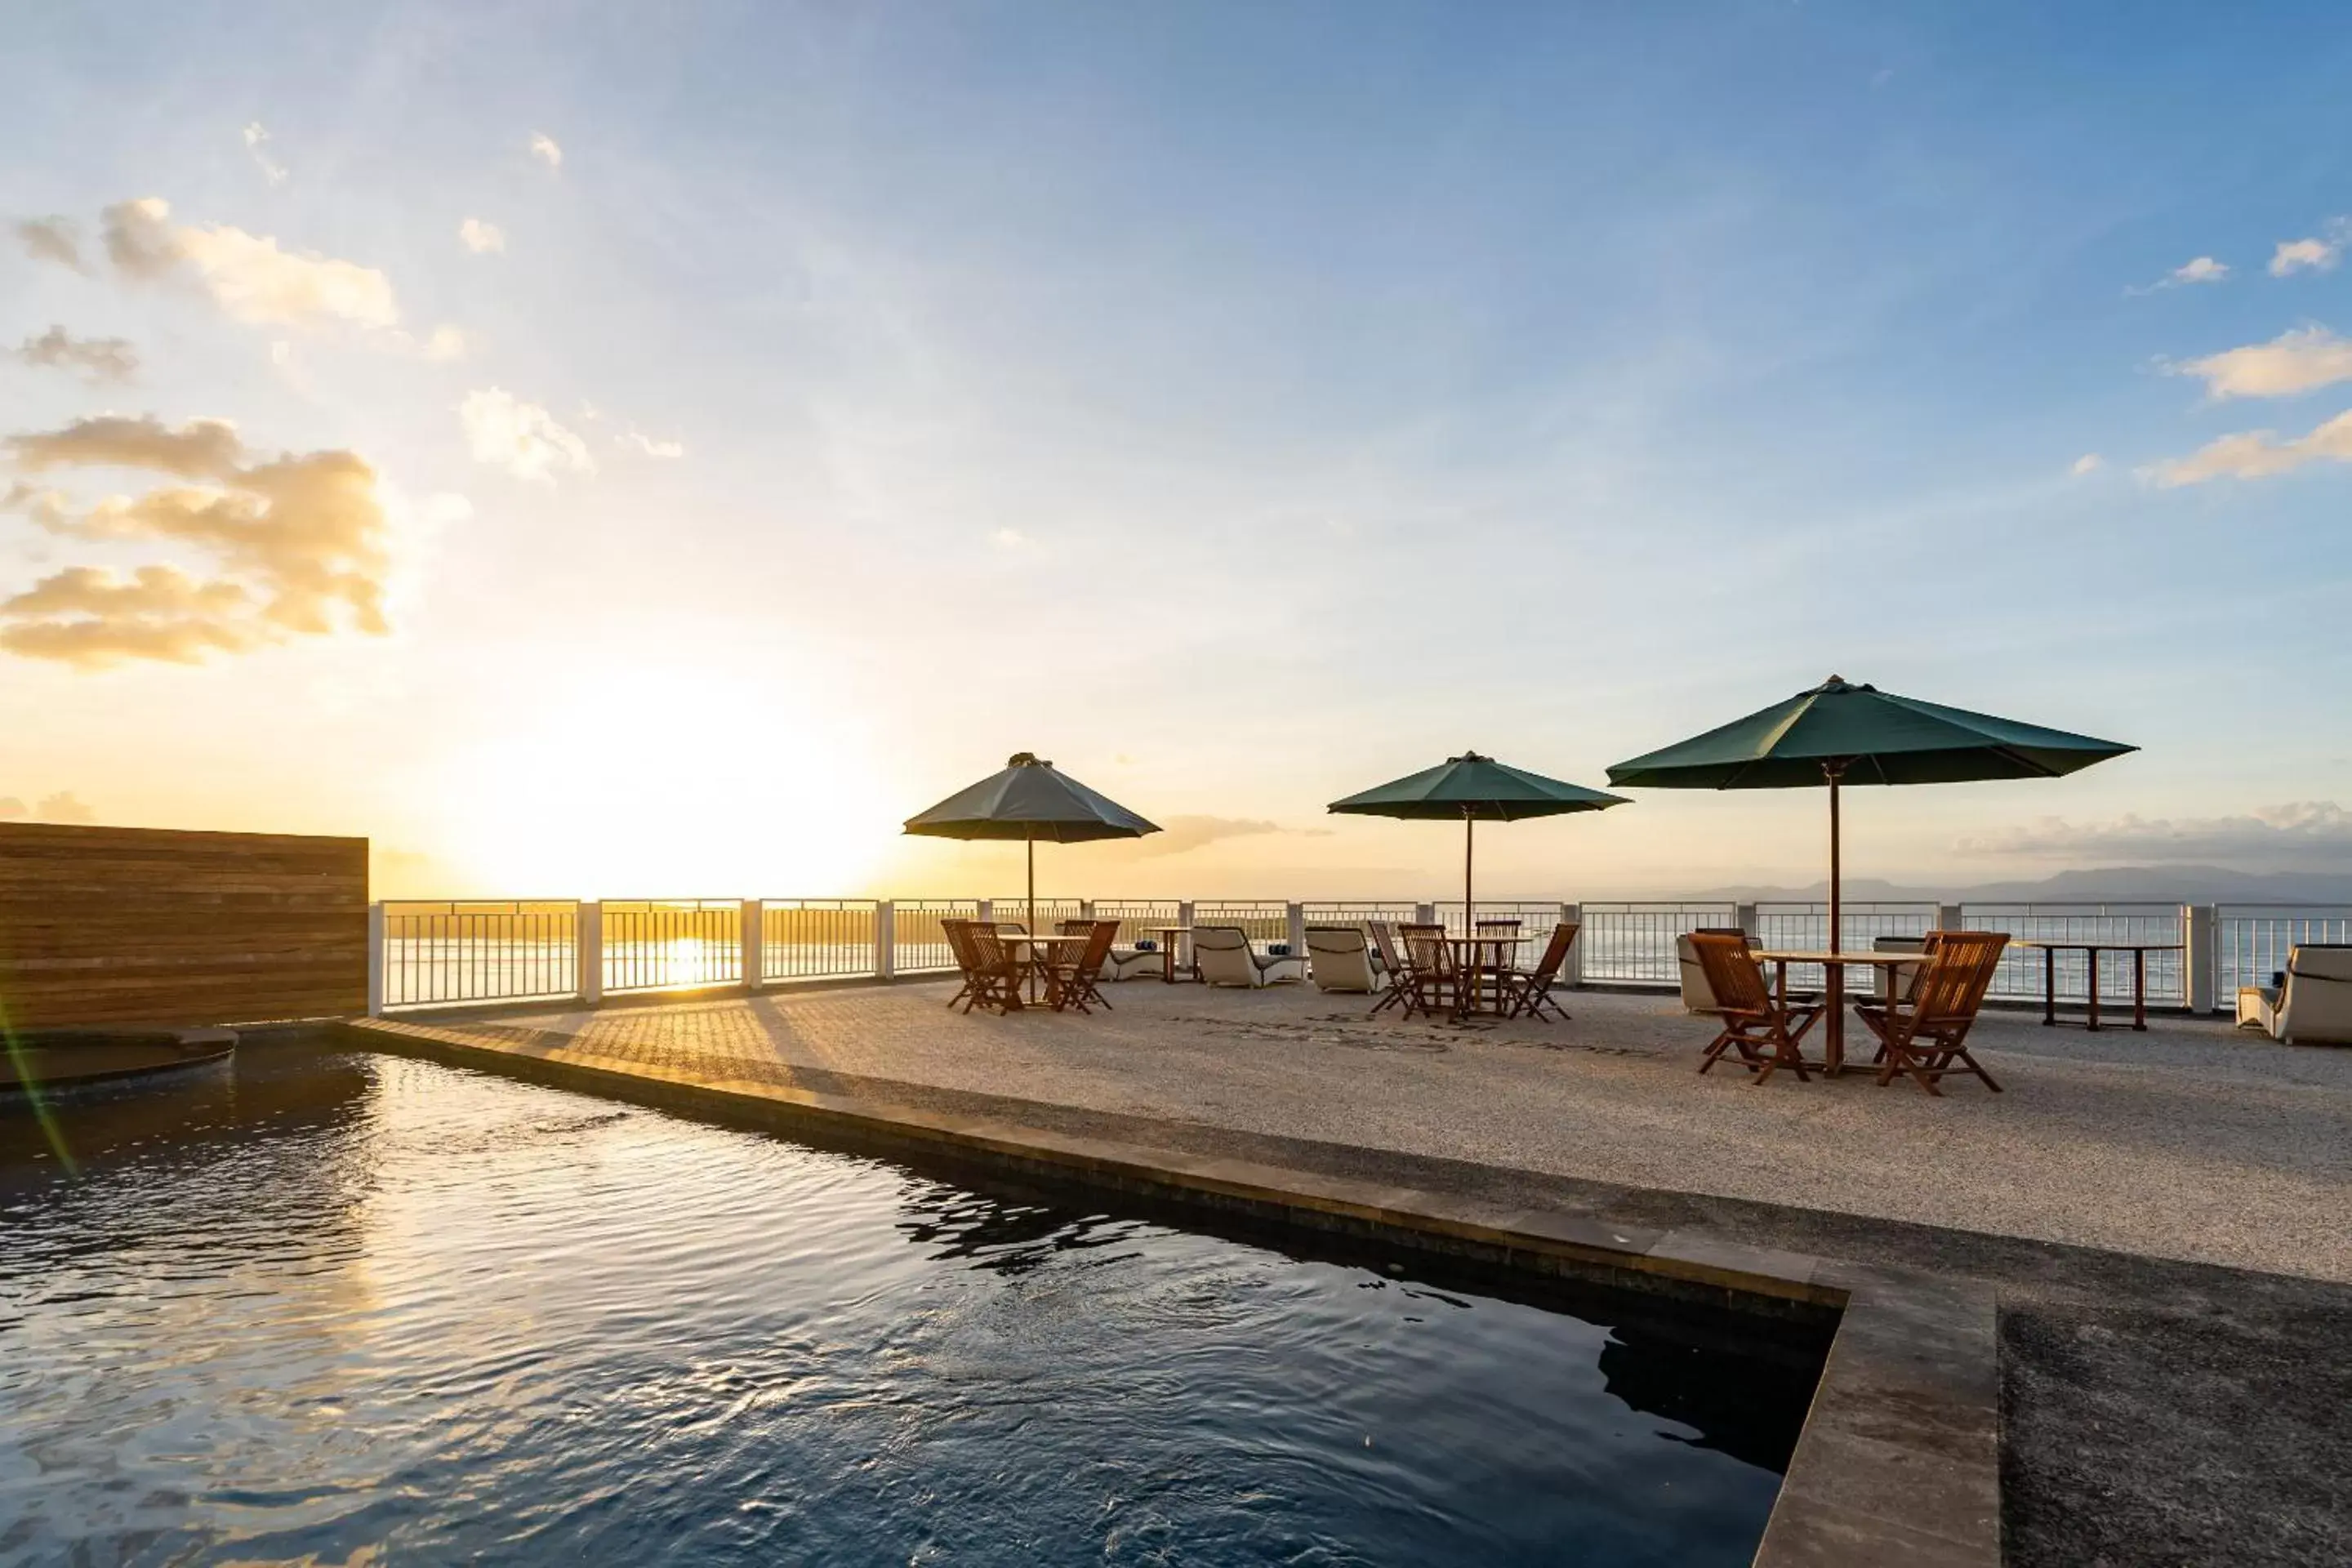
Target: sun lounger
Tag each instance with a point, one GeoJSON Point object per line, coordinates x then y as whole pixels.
{"type": "Point", "coordinates": [1339, 958]}
{"type": "Point", "coordinates": [1223, 956]}
{"type": "Point", "coordinates": [2311, 1006]}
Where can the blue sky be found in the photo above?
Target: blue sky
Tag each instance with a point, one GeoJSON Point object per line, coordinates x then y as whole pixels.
{"type": "Point", "coordinates": [1265, 401]}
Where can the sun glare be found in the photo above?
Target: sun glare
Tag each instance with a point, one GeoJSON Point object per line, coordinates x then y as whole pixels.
{"type": "Point", "coordinates": [728, 791]}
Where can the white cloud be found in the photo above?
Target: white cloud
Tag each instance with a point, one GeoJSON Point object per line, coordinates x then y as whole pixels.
{"type": "Point", "coordinates": [2198, 269]}
{"type": "Point", "coordinates": [481, 237]}
{"type": "Point", "coordinates": [2296, 835]}
{"type": "Point", "coordinates": [521, 438]}
{"type": "Point", "coordinates": [543, 147]}
{"type": "Point", "coordinates": [2088, 463]}
{"type": "Point", "coordinates": [2315, 253]}
{"type": "Point", "coordinates": [53, 239]}
{"type": "Point", "coordinates": [272, 171]}
{"type": "Point", "coordinates": [97, 359]}
{"type": "Point", "coordinates": [653, 448]}
{"type": "Point", "coordinates": [1009, 538]}
{"type": "Point", "coordinates": [247, 274]}
{"type": "Point", "coordinates": [2257, 454]}
{"type": "Point", "coordinates": [2300, 361]}
{"type": "Point", "coordinates": [300, 544]}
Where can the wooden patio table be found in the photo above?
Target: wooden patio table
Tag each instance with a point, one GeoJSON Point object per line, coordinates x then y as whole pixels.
{"type": "Point", "coordinates": [1036, 965]}
{"type": "Point", "coordinates": [1168, 935]}
{"type": "Point", "coordinates": [1833, 968]}
{"type": "Point", "coordinates": [2091, 951]}
{"type": "Point", "coordinates": [1468, 963]}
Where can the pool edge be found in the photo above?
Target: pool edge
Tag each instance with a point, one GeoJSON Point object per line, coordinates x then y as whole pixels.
{"type": "Point", "coordinates": [1899, 1457]}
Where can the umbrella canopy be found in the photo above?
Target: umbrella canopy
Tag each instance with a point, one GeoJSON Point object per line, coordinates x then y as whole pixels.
{"type": "Point", "coordinates": [1871, 737]}
{"type": "Point", "coordinates": [1467, 788]}
{"type": "Point", "coordinates": [1030, 801]}
{"type": "Point", "coordinates": [1843, 733]}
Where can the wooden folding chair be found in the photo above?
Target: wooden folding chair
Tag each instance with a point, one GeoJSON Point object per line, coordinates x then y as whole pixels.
{"type": "Point", "coordinates": [1072, 983]}
{"type": "Point", "coordinates": [996, 974]}
{"type": "Point", "coordinates": [1762, 1029]}
{"type": "Point", "coordinates": [1436, 978]}
{"type": "Point", "coordinates": [1527, 992]}
{"type": "Point", "coordinates": [1395, 971]}
{"type": "Point", "coordinates": [1925, 1033]}
{"type": "Point", "coordinates": [960, 949]}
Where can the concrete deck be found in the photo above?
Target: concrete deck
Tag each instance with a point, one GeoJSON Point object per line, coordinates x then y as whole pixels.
{"type": "Point", "coordinates": [2189, 1142]}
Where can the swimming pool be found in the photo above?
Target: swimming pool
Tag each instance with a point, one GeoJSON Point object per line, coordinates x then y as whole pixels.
{"type": "Point", "coordinates": [345, 1308]}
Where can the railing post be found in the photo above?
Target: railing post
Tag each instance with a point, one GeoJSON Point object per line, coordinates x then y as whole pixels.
{"type": "Point", "coordinates": [886, 938]}
{"type": "Point", "coordinates": [1086, 909]}
{"type": "Point", "coordinates": [2199, 929]}
{"type": "Point", "coordinates": [375, 961]}
{"type": "Point", "coordinates": [754, 938]}
{"type": "Point", "coordinates": [589, 940]}
{"type": "Point", "coordinates": [1744, 917]}
{"type": "Point", "coordinates": [1572, 973]}
{"type": "Point", "coordinates": [1294, 929]}
{"type": "Point", "coordinates": [987, 915]}
{"type": "Point", "coordinates": [1425, 914]}
{"type": "Point", "coordinates": [1948, 916]}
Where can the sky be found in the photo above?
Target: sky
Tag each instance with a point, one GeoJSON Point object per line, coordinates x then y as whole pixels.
{"type": "Point", "coordinates": [644, 451]}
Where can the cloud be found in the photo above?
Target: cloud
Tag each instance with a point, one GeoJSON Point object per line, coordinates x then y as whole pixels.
{"type": "Point", "coordinates": [200, 449]}
{"type": "Point", "coordinates": [2088, 463]}
{"type": "Point", "coordinates": [543, 147]}
{"type": "Point", "coordinates": [61, 807]}
{"type": "Point", "coordinates": [2297, 836]}
{"type": "Point", "coordinates": [1180, 834]}
{"type": "Point", "coordinates": [299, 542]}
{"type": "Point", "coordinates": [254, 135]}
{"type": "Point", "coordinates": [653, 448]}
{"type": "Point", "coordinates": [97, 359]}
{"type": "Point", "coordinates": [2258, 454]}
{"type": "Point", "coordinates": [2199, 269]}
{"type": "Point", "coordinates": [2295, 361]}
{"type": "Point", "coordinates": [2318, 253]}
{"type": "Point", "coordinates": [53, 239]}
{"type": "Point", "coordinates": [248, 275]}
{"type": "Point", "coordinates": [521, 438]}
{"type": "Point", "coordinates": [1009, 538]}
{"type": "Point", "coordinates": [479, 237]}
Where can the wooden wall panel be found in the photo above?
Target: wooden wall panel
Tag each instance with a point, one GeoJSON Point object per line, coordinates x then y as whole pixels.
{"type": "Point", "coordinates": [141, 925]}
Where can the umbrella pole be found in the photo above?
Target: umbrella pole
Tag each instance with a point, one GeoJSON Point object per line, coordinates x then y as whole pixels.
{"type": "Point", "coordinates": [1834, 770]}
{"type": "Point", "coordinates": [1029, 842]}
{"type": "Point", "coordinates": [1469, 844]}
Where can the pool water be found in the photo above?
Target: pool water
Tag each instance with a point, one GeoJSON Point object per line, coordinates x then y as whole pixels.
{"type": "Point", "coordinates": [351, 1309]}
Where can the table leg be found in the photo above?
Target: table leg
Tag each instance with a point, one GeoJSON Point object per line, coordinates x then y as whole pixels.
{"type": "Point", "coordinates": [1167, 961]}
{"type": "Point", "coordinates": [2091, 954]}
{"type": "Point", "coordinates": [2139, 989]}
{"type": "Point", "coordinates": [1834, 993]}
{"type": "Point", "coordinates": [2049, 987]}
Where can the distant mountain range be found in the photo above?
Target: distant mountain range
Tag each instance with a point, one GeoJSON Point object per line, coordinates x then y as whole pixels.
{"type": "Point", "coordinates": [2115, 884]}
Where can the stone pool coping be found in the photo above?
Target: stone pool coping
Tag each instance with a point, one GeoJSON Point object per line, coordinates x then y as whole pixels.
{"type": "Point", "coordinates": [1899, 1458]}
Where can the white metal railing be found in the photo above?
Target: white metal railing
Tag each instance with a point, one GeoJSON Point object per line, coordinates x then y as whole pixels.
{"type": "Point", "coordinates": [2251, 941]}
{"type": "Point", "coordinates": [442, 953]}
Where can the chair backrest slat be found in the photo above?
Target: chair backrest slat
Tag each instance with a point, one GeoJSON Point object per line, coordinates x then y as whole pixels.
{"type": "Point", "coordinates": [1384, 938]}
{"type": "Point", "coordinates": [1555, 953]}
{"type": "Point", "coordinates": [1733, 976]}
{"type": "Point", "coordinates": [1427, 949]}
{"type": "Point", "coordinates": [1960, 967]}
{"type": "Point", "coordinates": [1098, 946]}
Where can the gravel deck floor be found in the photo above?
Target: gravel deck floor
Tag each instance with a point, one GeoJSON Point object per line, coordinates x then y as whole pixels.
{"type": "Point", "coordinates": [2163, 1214]}
{"type": "Point", "coordinates": [2189, 1141]}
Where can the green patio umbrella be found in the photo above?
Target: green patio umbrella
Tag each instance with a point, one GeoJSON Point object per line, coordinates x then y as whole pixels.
{"type": "Point", "coordinates": [1840, 733]}
{"type": "Point", "coordinates": [1029, 801]}
{"type": "Point", "coordinates": [1467, 788]}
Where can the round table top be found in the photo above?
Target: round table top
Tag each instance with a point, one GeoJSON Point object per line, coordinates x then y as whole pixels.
{"type": "Point", "coordinates": [2060, 944]}
{"type": "Point", "coordinates": [1779, 955]}
{"type": "Point", "coordinates": [1042, 939]}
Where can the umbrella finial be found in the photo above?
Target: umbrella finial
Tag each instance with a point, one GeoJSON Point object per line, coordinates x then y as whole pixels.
{"type": "Point", "coordinates": [1026, 760]}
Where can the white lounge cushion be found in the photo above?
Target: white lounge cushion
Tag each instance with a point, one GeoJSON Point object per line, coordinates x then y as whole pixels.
{"type": "Point", "coordinates": [1340, 959]}
{"type": "Point", "coordinates": [1224, 957]}
{"type": "Point", "coordinates": [2314, 1005]}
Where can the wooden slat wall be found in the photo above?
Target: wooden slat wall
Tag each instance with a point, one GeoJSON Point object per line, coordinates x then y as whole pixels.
{"type": "Point", "coordinates": [122, 925]}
